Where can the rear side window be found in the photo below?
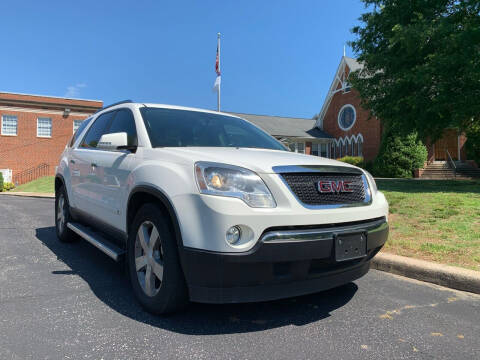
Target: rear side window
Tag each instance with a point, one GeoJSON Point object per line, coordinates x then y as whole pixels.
{"type": "Point", "coordinates": [79, 130]}
{"type": "Point", "coordinates": [96, 131]}
{"type": "Point", "coordinates": [124, 122]}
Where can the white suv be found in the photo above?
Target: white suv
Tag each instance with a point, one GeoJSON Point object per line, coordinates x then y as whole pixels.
{"type": "Point", "coordinates": [207, 207]}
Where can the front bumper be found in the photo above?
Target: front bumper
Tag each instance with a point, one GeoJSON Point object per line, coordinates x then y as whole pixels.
{"type": "Point", "coordinates": [285, 262]}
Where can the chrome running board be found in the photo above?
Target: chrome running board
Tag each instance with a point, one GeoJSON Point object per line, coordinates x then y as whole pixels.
{"type": "Point", "coordinates": [97, 240]}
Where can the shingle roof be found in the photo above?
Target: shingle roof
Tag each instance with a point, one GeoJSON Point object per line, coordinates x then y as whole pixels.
{"type": "Point", "coordinates": [285, 126]}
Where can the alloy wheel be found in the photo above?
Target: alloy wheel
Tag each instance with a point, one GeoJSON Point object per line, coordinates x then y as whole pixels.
{"type": "Point", "coordinates": [149, 258]}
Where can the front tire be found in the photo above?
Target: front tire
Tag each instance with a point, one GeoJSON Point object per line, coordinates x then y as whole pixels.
{"type": "Point", "coordinates": [62, 216]}
{"type": "Point", "coordinates": [153, 263]}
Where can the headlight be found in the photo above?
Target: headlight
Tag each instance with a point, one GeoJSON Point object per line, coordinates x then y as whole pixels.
{"type": "Point", "coordinates": [371, 181]}
{"type": "Point", "coordinates": [233, 181]}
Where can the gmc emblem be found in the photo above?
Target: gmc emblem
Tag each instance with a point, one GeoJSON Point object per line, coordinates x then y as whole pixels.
{"type": "Point", "coordinates": [332, 186]}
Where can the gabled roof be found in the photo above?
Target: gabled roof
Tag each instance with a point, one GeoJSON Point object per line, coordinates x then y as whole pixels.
{"type": "Point", "coordinates": [285, 126]}
{"type": "Point", "coordinates": [353, 64]}
{"type": "Point", "coordinates": [339, 78]}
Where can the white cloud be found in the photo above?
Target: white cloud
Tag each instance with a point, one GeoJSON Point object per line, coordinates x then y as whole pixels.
{"type": "Point", "coordinates": [74, 90]}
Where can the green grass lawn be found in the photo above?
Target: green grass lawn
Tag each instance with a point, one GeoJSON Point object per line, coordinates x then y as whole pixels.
{"type": "Point", "coordinates": [42, 185]}
{"type": "Point", "coordinates": [434, 220]}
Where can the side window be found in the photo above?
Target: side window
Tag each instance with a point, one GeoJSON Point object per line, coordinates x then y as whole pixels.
{"type": "Point", "coordinates": [124, 122]}
{"type": "Point", "coordinates": [79, 130]}
{"type": "Point", "coordinates": [96, 131]}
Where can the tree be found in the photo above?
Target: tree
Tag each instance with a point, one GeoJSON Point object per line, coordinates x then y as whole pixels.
{"type": "Point", "coordinates": [421, 64]}
{"type": "Point", "coordinates": [399, 156]}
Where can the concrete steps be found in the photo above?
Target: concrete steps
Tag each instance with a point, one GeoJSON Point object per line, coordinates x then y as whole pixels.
{"type": "Point", "coordinates": [442, 171]}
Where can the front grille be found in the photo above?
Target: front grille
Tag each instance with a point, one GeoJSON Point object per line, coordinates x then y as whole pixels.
{"type": "Point", "coordinates": [304, 186]}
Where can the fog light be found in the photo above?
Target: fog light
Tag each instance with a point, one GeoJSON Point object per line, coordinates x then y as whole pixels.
{"type": "Point", "coordinates": [233, 234]}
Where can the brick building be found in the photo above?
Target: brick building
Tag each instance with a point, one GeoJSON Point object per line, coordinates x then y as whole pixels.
{"type": "Point", "coordinates": [356, 133]}
{"type": "Point", "coordinates": [35, 129]}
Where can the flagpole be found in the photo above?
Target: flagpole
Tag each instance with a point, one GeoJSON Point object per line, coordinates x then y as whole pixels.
{"type": "Point", "coordinates": [219, 85]}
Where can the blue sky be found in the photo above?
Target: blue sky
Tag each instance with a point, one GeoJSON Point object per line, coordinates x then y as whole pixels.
{"type": "Point", "coordinates": [278, 57]}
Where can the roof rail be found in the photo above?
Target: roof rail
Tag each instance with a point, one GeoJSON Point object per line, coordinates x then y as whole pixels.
{"type": "Point", "coordinates": [117, 103]}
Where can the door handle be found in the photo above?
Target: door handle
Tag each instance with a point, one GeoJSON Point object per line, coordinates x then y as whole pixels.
{"type": "Point", "coordinates": [72, 161]}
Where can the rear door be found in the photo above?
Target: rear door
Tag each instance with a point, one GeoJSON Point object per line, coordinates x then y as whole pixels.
{"type": "Point", "coordinates": [85, 186]}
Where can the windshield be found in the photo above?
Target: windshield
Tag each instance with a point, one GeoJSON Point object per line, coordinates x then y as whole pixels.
{"type": "Point", "coordinates": [180, 128]}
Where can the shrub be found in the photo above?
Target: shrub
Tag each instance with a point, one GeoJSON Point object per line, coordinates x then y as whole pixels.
{"type": "Point", "coordinates": [353, 160]}
{"type": "Point", "coordinates": [8, 186]}
{"type": "Point", "coordinates": [399, 156]}
{"type": "Point", "coordinates": [1, 181]}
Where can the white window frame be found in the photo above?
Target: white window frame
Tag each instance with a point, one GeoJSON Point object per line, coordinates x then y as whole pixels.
{"type": "Point", "coordinates": [354, 117]}
{"type": "Point", "coordinates": [360, 145]}
{"type": "Point", "coordinates": [51, 126]}
{"type": "Point", "coordinates": [317, 145]}
{"type": "Point", "coordinates": [81, 121]}
{"type": "Point", "coordinates": [296, 146]}
{"type": "Point", "coordinates": [16, 126]}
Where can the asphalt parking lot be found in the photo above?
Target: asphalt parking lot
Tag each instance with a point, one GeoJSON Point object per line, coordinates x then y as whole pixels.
{"type": "Point", "coordinates": [71, 301]}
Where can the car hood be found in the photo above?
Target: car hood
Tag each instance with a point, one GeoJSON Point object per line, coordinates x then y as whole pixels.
{"type": "Point", "coordinates": [258, 160]}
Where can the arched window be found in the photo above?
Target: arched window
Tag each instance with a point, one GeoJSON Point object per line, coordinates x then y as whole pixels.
{"type": "Point", "coordinates": [360, 146]}
{"type": "Point", "coordinates": [354, 147]}
{"type": "Point", "coordinates": [332, 150]}
{"type": "Point", "coordinates": [345, 148]}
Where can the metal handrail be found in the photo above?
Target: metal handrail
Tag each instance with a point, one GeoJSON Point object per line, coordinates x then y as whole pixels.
{"type": "Point", "coordinates": [31, 174]}
{"type": "Point", "coordinates": [451, 163]}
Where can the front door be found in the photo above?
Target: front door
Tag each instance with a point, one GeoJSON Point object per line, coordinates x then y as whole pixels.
{"type": "Point", "coordinates": [448, 142]}
{"type": "Point", "coordinates": [104, 174]}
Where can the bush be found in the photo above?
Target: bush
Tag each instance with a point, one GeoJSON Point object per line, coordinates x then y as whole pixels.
{"type": "Point", "coordinates": [353, 160]}
{"type": "Point", "coordinates": [399, 156]}
{"type": "Point", "coordinates": [8, 186]}
{"type": "Point", "coordinates": [1, 181]}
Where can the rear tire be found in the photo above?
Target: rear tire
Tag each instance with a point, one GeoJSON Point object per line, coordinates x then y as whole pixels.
{"type": "Point", "coordinates": [62, 216]}
{"type": "Point", "coordinates": [153, 263]}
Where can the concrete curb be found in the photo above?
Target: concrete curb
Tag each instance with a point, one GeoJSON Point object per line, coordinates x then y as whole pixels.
{"type": "Point", "coordinates": [444, 275]}
{"type": "Point", "coordinates": [28, 194]}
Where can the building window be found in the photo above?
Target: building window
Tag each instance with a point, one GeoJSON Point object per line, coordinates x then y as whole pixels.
{"type": "Point", "coordinates": [323, 150]}
{"type": "Point", "coordinates": [9, 125]}
{"type": "Point", "coordinates": [76, 125]}
{"type": "Point", "coordinates": [301, 148]}
{"type": "Point", "coordinates": [298, 147]}
{"type": "Point", "coordinates": [354, 147]}
{"type": "Point", "coordinates": [315, 149]}
{"type": "Point", "coordinates": [44, 127]}
{"type": "Point", "coordinates": [332, 151]}
{"type": "Point", "coordinates": [360, 147]}
{"type": "Point", "coordinates": [346, 117]}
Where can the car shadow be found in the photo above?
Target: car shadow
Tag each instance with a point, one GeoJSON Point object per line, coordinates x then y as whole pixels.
{"type": "Point", "coordinates": [108, 281]}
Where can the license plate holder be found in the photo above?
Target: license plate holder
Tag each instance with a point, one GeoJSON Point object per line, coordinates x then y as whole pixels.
{"type": "Point", "coordinates": [349, 246]}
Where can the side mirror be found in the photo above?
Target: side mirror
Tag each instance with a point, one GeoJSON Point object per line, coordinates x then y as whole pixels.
{"type": "Point", "coordinates": [113, 141]}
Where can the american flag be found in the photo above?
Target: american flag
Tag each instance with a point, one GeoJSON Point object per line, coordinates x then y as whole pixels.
{"type": "Point", "coordinates": [218, 80]}
{"type": "Point", "coordinates": [217, 64]}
